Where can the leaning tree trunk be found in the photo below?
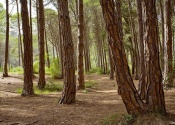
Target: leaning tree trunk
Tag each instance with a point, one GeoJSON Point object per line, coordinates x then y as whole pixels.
{"type": "Point", "coordinates": [28, 63]}
{"type": "Point", "coordinates": [168, 57]}
{"type": "Point", "coordinates": [124, 80]}
{"type": "Point", "coordinates": [80, 46]}
{"type": "Point", "coordinates": [69, 91]}
{"type": "Point", "coordinates": [42, 81]}
{"type": "Point", "coordinates": [5, 73]}
{"type": "Point", "coordinates": [155, 96]}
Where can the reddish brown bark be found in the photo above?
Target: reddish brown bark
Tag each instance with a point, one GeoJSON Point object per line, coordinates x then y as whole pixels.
{"type": "Point", "coordinates": [69, 90]}
{"type": "Point", "coordinates": [28, 63]}
{"type": "Point", "coordinates": [80, 46]}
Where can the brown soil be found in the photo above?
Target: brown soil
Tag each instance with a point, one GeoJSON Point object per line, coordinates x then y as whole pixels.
{"type": "Point", "coordinates": [90, 108]}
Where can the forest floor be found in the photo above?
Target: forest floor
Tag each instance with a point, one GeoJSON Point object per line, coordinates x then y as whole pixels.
{"type": "Point", "coordinates": [92, 107]}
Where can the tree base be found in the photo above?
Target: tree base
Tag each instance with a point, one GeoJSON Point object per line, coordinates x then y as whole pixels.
{"type": "Point", "coordinates": [5, 75]}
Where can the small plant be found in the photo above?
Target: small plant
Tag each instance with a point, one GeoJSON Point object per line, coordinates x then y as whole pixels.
{"type": "Point", "coordinates": [18, 70]}
{"type": "Point", "coordinates": [55, 69]}
{"type": "Point", "coordinates": [96, 70]}
{"type": "Point", "coordinates": [36, 67]}
{"type": "Point", "coordinates": [90, 84]}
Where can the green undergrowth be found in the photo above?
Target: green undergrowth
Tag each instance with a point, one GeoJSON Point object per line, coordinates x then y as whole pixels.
{"type": "Point", "coordinates": [90, 84]}
{"type": "Point", "coordinates": [126, 119]}
{"type": "Point", "coordinates": [118, 119]}
{"type": "Point", "coordinates": [17, 70]}
{"type": "Point", "coordinates": [49, 88]}
{"type": "Point", "coordinates": [97, 71]}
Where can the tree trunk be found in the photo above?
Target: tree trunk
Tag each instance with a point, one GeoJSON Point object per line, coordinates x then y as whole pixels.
{"type": "Point", "coordinates": [124, 80]}
{"type": "Point", "coordinates": [42, 81]}
{"type": "Point", "coordinates": [80, 46]}
{"type": "Point", "coordinates": [47, 51]}
{"type": "Point", "coordinates": [163, 34]}
{"type": "Point", "coordinates": [111, 65]}
{"type": "Point", "coordinates": [142, 83]}
{"type": "Point", "coordinates": [69, 90]}
{"type": "Point", "coordinates": [155, 97]}
{"type": "Point", "coordinates": [168, 68]}
{"type": "Point", "coordinates": [28, 61]}
{"type": "Point", "coordinates": [5, 73]}
{"type": "Point", "coordinates": [134, 40]}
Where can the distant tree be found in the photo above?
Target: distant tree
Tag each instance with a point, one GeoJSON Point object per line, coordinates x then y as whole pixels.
{"type": "Point", "coordinates": [28, 58]}
{"type": "Point", "coordinates": [69, 90]}
{"type": "Point", "coordinates": [19, 37]}
{"type": "Point", "coordinates": [5, 73]}
{"type": "Point", "coordinates": [42, 81]}
{"type": "Point", "coordinates": [80, 45]}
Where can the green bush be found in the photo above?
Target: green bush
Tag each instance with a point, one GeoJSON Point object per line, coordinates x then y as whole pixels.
{"type": "Point", "coordinates": [90, 84]}
{"type": "Point", "coordinates": [1, 69]}
{"type": "Point", "coordinates": [18, 70]}
{"type": "Point", "coordinates": [55, 69]}
{"type": "Point", "coordinates": [96, 70]}
{"type": "Point", "coordinates": [36, 67]}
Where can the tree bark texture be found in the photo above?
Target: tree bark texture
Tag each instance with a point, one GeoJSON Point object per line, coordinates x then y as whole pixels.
{"type": "Point", "coordinates": [41, 82]}
{"type": "Point", "coordinates": [155, 96]}
{"type": "Point", "coordinates": [129, 94]}
{"type": "Point", "coordinates": [28, 58]}
{"type": "Point", "coordinates": [80, 47]}
{"type": "Point", "coordinates": [5, 73]}
{"type": "Point", "coordinates": [168, 57]}
{"type": "Point", "coordinates": [142, 86]}
{"type": "Point", "coordinates": [69, 90]}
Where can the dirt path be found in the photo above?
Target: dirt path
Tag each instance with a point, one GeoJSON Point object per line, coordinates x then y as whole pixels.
{"type": "Point", "coordinates": [91, 107]}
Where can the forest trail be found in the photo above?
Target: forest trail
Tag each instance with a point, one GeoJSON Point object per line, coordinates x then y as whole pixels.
{"type": "Point", "coordinates": [90, 108]}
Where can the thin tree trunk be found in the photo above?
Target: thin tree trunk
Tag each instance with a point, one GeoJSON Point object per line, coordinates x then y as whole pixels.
{"type": "Point", "coordinates": [163, 34]}
{"type": "Point", "coordinates": [5, 73]}
{"type": "Point", "coordinates": [19, 36]}
{"type": "Point", "coordinates": [168, 57]}
{"type": "Point", "coordinates": [142, 83]}
{"type": "Point", "coordinates": [41, 81]}
{"type": "Point", "coordinates": [136, 53]}
{"type": "Point", "coordinates": [80, 46]}
{"type": "Point", "coordinates": [47, 51]}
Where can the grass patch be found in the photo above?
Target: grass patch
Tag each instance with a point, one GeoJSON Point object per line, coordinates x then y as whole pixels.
{"type": "Point", "coordinates": [49, 88]}
{"type": "Point", "coordinates": [17, 70]}
{"type": "Point", "coordinates": [90, 84]}
{"type": "Point", "coordinates": [118, 119]}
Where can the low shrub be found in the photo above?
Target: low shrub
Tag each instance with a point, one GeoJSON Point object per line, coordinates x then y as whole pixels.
{"type": "Point", "coordinates": [90, 84]}
{"type": "Point", "coordinates": [55, 69]}
{"type": "Point", "coordinates": [18, 70]}
{"type": "Point", "coordinates": [36, 67]}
